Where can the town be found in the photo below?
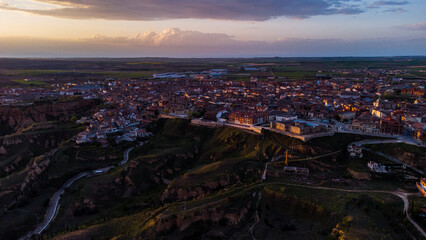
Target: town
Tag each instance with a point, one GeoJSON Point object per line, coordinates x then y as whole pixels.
{"type": "Point", "coordinates": [378, 105]}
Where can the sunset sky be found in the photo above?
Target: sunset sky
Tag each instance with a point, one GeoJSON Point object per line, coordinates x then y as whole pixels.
{"type": "Point", "coordinates": [211, 28]}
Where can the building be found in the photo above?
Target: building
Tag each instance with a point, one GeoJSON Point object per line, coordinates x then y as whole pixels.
{"type": "Point", "coordinates": [211, 115]}
{"type": "Point", "coordinates": [422, 186]}
{"type": "Point", "coordinates": [346, 116]}
{"type": "Point", "coordinates": [218, 72]}
{"type": "Point", "coordinates": [390, 125]}
{"type": "Point", "coordinates": [380, 113]}
{"type": "Point", "coordinates": [366, 125]}
{"type": "Point", "coordinates": [285, 117]}
{"type": "Point", "coordinates": [418, 92]}
{"type": "Point", "coordinates": [355, 151]}
{"type": "Point", "coordinates": [248, 117]}
{"type": "Point", "coordinates": [376, 167]}
{"type": "Point", "coordinates": [296, 170]}
{"type": "Point", "coordinates": [299, 127]}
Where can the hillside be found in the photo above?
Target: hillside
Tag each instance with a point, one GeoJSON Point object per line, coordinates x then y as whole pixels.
{"type": "Point", "coordinates": [190, 181]}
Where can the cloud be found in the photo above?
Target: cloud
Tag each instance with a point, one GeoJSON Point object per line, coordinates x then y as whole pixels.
{"type": "Point", "coordinates": [395, 10]}
{"type": "Point", "coordinates": [247, 10]}
{"type": "Point", "coordinates": [168, 37]}
{"type": "Point", "coordinates": [383, 3]}
{"type": "Point", "coordinates": [415, 26]}
{"type": "Point", "coordinates": [181, 43]}
{"type": "Point", "coordinates": [390, 3]}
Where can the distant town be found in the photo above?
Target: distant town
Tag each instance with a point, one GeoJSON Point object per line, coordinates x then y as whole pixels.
{"type": "Point", "coordinates": [378, 105]}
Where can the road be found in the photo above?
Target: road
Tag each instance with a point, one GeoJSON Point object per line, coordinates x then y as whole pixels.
{"type": "Point", "coordinates": [257, 217]}
{"type": "Point", "coordinates": [394, 138]}
{"type": "Point", "coordinates": [125, 157]}
{"type": "Point", "coordinates": [54, 204]}
{"type": "Point", "coordinates": [305, 137]}
{"type": "Point", "coordinates": [53, 208]}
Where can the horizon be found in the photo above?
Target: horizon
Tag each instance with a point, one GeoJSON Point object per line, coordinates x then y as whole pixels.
{"type": "Point", "coordinates": [257, 57]}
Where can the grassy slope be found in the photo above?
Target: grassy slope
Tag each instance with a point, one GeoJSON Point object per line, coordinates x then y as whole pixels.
{"type": "Point", "coordinates": [63, 166]}
{"type": "Point", "coordinates": [373, 216]}
{"type": "Point", "coordinates": [220, 151]}
{"type": "Point", "coordinates": [410, 154]}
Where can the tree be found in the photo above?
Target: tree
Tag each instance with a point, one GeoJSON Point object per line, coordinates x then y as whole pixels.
{"type": "Point", "coordinates": [74, 119]}
{"type": "Point", "coordinates": [189, 114]}
{"type": "Point", "coordinates": [336, 117]}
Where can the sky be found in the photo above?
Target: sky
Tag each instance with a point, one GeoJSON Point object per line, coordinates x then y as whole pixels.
{"type": "Point", "coordinates": [212, 28]}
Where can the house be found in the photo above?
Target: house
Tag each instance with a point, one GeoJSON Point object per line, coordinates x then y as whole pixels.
{"type": "Point", "coordinates": [211, 115]}
{"type": "Point", "coordinates": [390, 125]}
{"type": "Point", "coordinates": [346, 116]}
{"type": "Point", "coordinates": [85, 137]}
{"type": "Point", "coordinates": [285, 117]}
{"type": "Point", "coordinates": [355, 151]}
{"type": "Point", "coordinates": [376, 167]}
{"type": "Point", "coordinates": [248, 117]}
{"type": "Point", "coordinates": [418, 92]}
{"type": "Point", "coordinates": [299, 127]}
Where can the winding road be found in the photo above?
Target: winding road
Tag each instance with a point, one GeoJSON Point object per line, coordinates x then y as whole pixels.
{"type": "Point", "coordinates": [53, 208]}
{"type": "Point", "coordinates": [125, 157]}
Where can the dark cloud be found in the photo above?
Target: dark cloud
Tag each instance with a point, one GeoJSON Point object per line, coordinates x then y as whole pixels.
{"type": "Point", "coordinates": [253, 10]}
{"type": "Point", "coordinates": [392, 3]}
{"type": "Point", "coordinates": [395, 10]}
{"type": "Point", "coordinates": [378, 4]}
{"type": "Point", "coordinates": [179, 43]}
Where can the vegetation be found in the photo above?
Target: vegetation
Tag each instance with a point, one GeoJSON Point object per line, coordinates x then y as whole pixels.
{"type": "Point", "coordinates": [410, 154]}
{"type": "Point", "coordinates": [349, 215]}
{"type": "Point", "coordinates": [219, 169]}
{"type": "Point", "coordinates": [30, 82]}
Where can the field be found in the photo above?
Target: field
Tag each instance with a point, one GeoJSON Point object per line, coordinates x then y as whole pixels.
{"type": "Point", "coordinates": [45, 71]}
{"type": "Point", "coordinates": [30, 82]}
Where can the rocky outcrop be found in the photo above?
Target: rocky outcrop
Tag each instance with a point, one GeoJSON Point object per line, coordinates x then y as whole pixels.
{"type": "Point", "coordinates": [181, 222]}
{"type": "Point", "coordinates": [38, 167]}
{"type": "Point", "coordinates": [143, 174]}
{"type": "Point", "coordinates": [3, 150]}
{"type": "Point", "coordinates": [12, 140]}
{"type": "Point", "coordinates": [24, 147]}
{"type": "Point", "coordinates": [14, 118]}
{"type": "Point", "coordinates": [182, 192]}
